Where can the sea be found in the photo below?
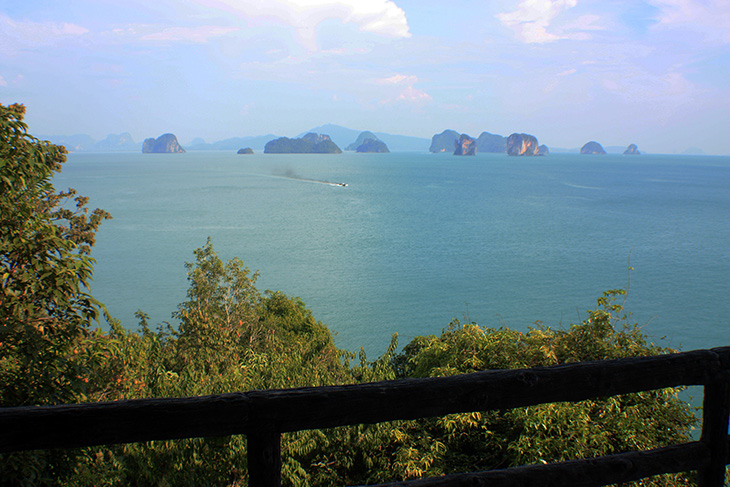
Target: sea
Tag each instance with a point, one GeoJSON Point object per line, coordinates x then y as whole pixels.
{"type": "Point", "coordinates": [415, 240]}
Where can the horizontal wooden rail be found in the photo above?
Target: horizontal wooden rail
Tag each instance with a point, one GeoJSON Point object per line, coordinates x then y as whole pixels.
{"type": "Point", "coordinates": [591, 472]}
{"type": "Point", "coordinates": [264, 415]}
{"type": "Point", "coordinates": [75, 425]}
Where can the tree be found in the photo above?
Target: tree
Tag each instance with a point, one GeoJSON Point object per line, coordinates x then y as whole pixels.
{"type": "Point", "coordinates": [45, 310]}
{"type": "Point", "coordinates": [547, 432]}
{"type": "Point", "coordinates": [48, 353]}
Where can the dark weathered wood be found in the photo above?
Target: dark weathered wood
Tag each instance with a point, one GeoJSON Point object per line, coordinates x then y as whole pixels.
{"type": "Point", "coordinates": [264, 459]}
{"type": "Point", "coordinates": [715, 414]}
{"type": "Point", "coordinates": [480, 391]}
{"type": "Point", "coordinates": [77, 425]}
{"type": "Point", "coordinates": [323, 407]}
{"type": "Point", "coordinates": [594, 472]}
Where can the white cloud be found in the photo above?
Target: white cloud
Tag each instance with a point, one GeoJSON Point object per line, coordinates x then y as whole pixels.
{"type": "Point", "coordinates": [3, 82]}
{"type": "Point", "coordinates": [710, 17]}
{"type": "Point", "coordinates": [381, 17]}
{"type": "Point", "coordinates": [414, 95]}
{"type": "Point", "coordinates": [18, 35]}
{"type": "Point", "coordinates": [401, 89]}
{"type": "Point", "coordinates": [567, 72]}
{"type": "Point", "coordinates": [532, 18]}
{"type": "Point", "coordinates": [396, 79]}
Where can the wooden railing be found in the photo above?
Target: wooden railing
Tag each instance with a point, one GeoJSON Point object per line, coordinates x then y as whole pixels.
{"type": "Point", "coordinates": [264, 415]}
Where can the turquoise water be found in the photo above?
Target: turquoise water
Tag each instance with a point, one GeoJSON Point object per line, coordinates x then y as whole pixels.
{"type": "Point", "coordinates": [417, 239]}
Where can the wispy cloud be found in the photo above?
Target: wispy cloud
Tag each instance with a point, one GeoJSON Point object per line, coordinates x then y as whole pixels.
{"type": "Point", "coordinates": [396, 79]}
{"type": "Point", "coordinates": [16, 35]}
{"type": "Point", "coordinates": [402, 89]}
{"type": "Point", "coordinates": [532, 18]}
{"type": "Point", "coordinates": [710, 17]}
{"type": "Point", "coordinates": [642, 86]}
{"type": "Point", "coordinates": [414, 95]}
{"type": "Point", "coordinates": [200, 34]}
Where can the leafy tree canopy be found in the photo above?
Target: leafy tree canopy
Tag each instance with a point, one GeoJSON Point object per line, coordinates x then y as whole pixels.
{"type": "Point", "coordinates": [45, 310]}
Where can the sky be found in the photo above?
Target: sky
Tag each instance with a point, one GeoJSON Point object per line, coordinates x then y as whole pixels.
{"type": "Point", "coordinates": [655, 73]}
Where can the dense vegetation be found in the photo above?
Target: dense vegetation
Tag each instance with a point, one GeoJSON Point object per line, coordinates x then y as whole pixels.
{"type": "Point", "coordinates": [232, 337]}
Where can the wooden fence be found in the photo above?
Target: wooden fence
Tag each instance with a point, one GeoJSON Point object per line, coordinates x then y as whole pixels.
{"type": "Point", "coordinates": [264, 415]}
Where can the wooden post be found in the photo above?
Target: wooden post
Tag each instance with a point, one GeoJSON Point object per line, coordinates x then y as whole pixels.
{"type": "Point", "coordinates": [264, 458]}
{"type": "Point", "coordinates": [716, 410]}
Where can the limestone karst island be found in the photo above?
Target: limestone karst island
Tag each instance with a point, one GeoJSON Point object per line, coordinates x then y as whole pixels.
{"type": "Point", "coordinates": [164, 144]}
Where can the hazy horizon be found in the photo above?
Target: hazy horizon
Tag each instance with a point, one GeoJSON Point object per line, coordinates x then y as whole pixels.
{"type": "Point", "coordinates": [655, 73]}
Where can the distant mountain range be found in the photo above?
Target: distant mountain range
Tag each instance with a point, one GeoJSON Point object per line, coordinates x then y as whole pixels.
{"type": "Point", "coordinates": [342, 136]}
{"type": "Point", "coordinates": [85, 143]}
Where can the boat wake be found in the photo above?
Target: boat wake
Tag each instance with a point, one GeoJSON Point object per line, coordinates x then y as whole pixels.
{"type": "Point", "coordinates": [289, 174]}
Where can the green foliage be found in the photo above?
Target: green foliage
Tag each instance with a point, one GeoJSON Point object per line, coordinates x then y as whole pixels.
{"type": "Point", "coordinates": [44, 309]}
{"type": "Point", "coordinates": [309, 144]}
{"type": "Point", "coordinates": [549, 432]}
{"type": "Point", "coordinates": [48, 353]}
{"type": "Point", "coordinates": [230, 338]}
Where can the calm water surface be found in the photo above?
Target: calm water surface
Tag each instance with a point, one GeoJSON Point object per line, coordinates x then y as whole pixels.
{"type": "Point", "coordinates": [418, 239]}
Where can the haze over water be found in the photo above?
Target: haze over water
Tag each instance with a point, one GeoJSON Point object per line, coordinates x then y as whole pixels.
{"type": "Point", "coordinates": [418, 239]}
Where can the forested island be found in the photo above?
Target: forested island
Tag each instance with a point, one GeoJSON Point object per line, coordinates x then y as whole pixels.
{"type": "Point", "coordinates": [233, 337]}
{"type": "Point", "coordinates": [311, 143]}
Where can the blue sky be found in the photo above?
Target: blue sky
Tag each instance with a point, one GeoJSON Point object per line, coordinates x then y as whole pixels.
{"type": "Point", "coordinates": [655, 73]}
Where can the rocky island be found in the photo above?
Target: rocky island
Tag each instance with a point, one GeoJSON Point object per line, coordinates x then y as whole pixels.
{"type": "Point", "coordinates": [491, 143]}
{"type": "Point", "coordinates": [592, 148]}
{"type": "Point", "coordinates": [368, 142]}
{"type": "Point", "coordinates": [372, 145]}
{"type": "Point", "coordinates": [444, 142]}
{"type": "Point", "coordinates": [522, 145]}
{"type": "Point", "coordinates": [164, 144]}
{"type": "Point", "coordinates": [465, 146]}
{"type": "Point", "coordinates": [360, 139]}
{"type": "Point", "coordinates": [246, 150]}
{"type": "Point", "coordinates": [309, 144]}
{"type": "Point", "coordinates": [632, 150]}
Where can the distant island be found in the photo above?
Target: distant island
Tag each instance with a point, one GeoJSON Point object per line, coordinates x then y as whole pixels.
{"type": "Point", "coordinates": [164, 144]}
{"type": "Point", "coordinates": [246, 150]}
{"type": "Point", "coordinates": [444, 142]}
{"type": "Point", "coordinates": [372, 145]}
{"type": "Point", "coordinates": [522, 145]}
{"type": "Point", "coordinates": [368, 142]}
{"type": "Point", "coordinates": [311, 143]}
{"type": "Point", "coordinates": [487, 142]}
{"type": "Point", "coordinates": [465, 146]}
{"type": "Point", "coordinates": [360, 139]}
{"type": "Point", "coordinates": [592, 148]}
